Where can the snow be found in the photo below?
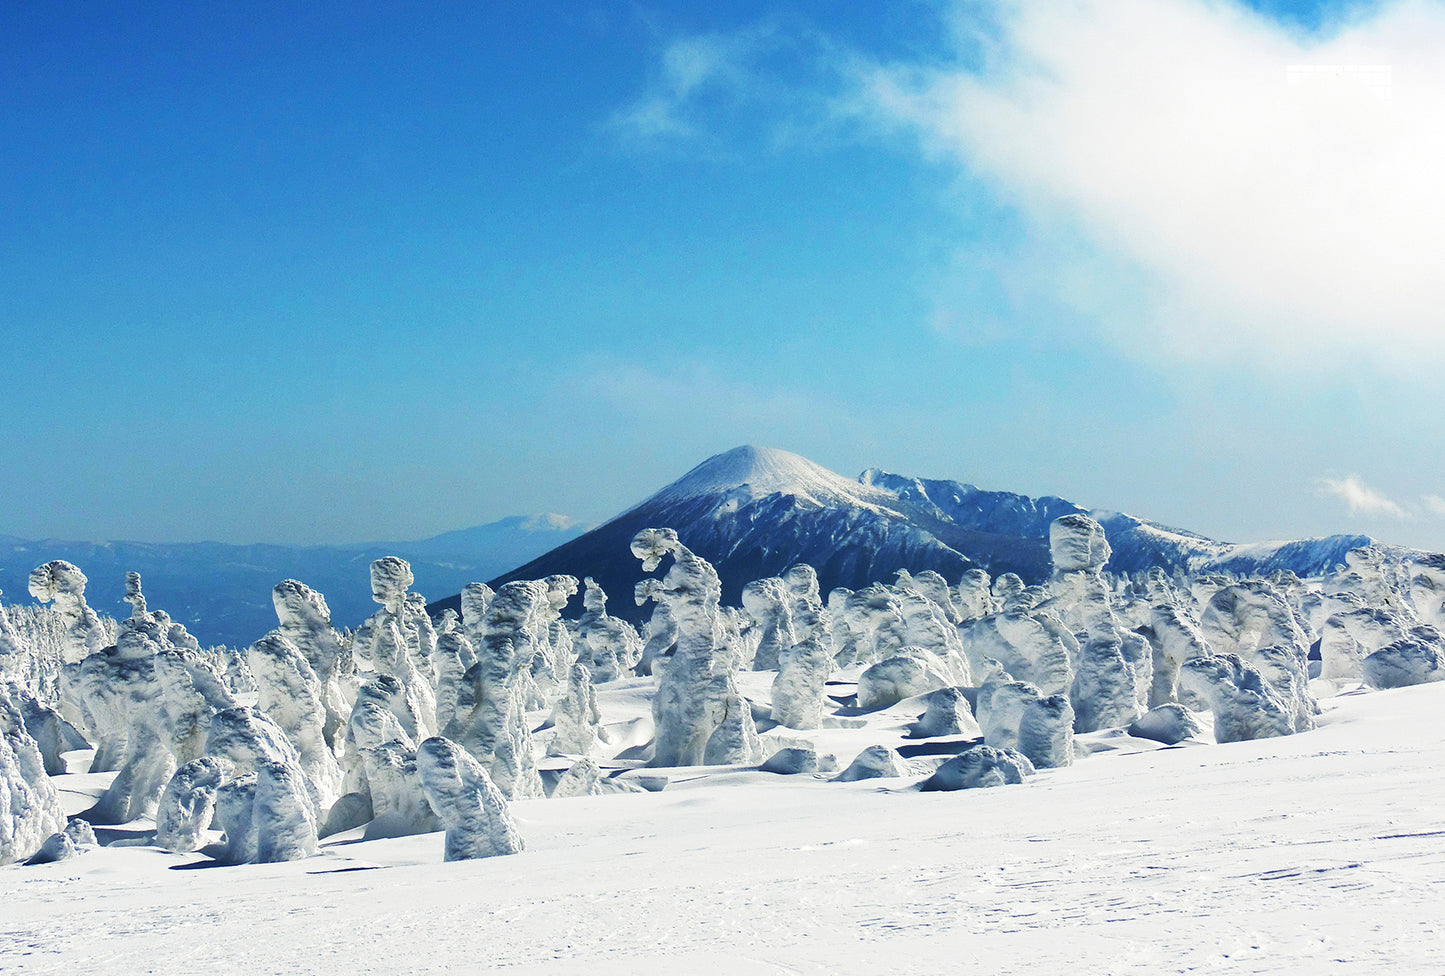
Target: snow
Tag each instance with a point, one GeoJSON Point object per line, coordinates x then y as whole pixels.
{"type": "Point", "coordinates": [462, 795]}
{"type": "Point", "coordinates": [1316, 853]}
{"type": "Point", "coordinates": [747, 473]}
{"type": "Point", "coordinates": [30, 808]}
{"type": "Point", "coordinates": [608, 645]}
{"type": "Point", "coordinates": [549, 521]}
{"type": "Point", "coordinates": [685, 827]}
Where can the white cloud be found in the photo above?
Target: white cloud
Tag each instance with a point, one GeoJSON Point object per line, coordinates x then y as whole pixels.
{"type": "Point", "coordinates": [1196, 182]}
{"type": "Point", "coordinates": [687, 65]}
{"type": "Point", "coordinates": [770, 84]}
{"type": "Point", "coordinates": [1266, 223]}
{"type": "Point", "coordinates": [1361, 498]}
{"type": "Point", "coordinates": [1434, 504]}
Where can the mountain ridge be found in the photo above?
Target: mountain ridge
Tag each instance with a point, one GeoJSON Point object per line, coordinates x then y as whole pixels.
{"type": "Point", "coordinates": [755, 511]}
{"type": "Point", "coordinates": [222, 591]}
{"type": "Point", "coordinates": [752, 511]}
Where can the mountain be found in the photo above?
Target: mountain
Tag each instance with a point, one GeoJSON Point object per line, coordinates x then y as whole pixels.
{"type": "Point", "coordinates": [754, 511]}
{"type": "Point", "coordinates": [222, 593]}
{"type": "Point", "coordinates": [1137, 544]}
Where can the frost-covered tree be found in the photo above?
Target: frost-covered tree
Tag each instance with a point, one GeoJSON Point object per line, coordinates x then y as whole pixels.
{"type": "Point", "coordinates": [82, 634]}
{"type": "Point", "coordinates": [1002, 703]}
{"type": "Point", "coordinates": [844, 635]}
{"type": "Point", "coordinates": [799, 690]}
{"type": "Point", "coordinates": [291, 695]}
{"type": "Point", "coordinates": [30, 808]}
{"type": "Point", "coordinates": [770, 605]}
{"type": "Point", "coordinates": [933, 588]}
{"type": "Point", "coordinates": [1426, 588]}
{"type": "Point", "coordinates": [496, 731]}
{"type": "Point", "coordinates": [582, 778]}
{"type": "Point", "coordinates": [455, 655]}
{"type": "Point", "coordinates": [1245, 705]}
{"type": "Point", "coordinates": [1010, 593]}
{"type": "Point", "coordinates": [421, 636]}
{"type": "Point", "coordinates": [470, 807]}
{"type": "Point", "coordinates": [63, 584]}
{"type": "Point", "coordinates": [476, 597]}
{"type": "Point", "coordinates": [1032, 644]}
{"type": "Point", "coordinates": [266, 816]}
{"type": "Point", "coordinates": [909, 672]}
{"type": "Point", "coordinates": [555, 652]}
{"type": "Point", "coordinates": [660, 635]}
{"type": "Point", "coordinates": [153, 698]}
{"type": "Point", "coordinates": [1174, 636]}
{"type": "Point", "coordinates": [928, 625]}
{"type": "Point", "coordinates": [188, 804]}
{"type": "Point", "coordinates": [576, 720]}
{"type": "Point", "coordinates": [1254, 622]}
{"type": "Point", "coordinates": [1412, 660]}
{"type": "Point", "coordinates": [247, 737]}
{"type": "Point", "coordinates": [1046, 732]}
{"type": "Point", "coordinates": [305, 621]}
{"type": "Point", "coordinates": [125, 699]}
{"type": "Point", "coordinates": [947, 713]}
{"type": "Point", "coordinates": [397, 645]}
{"type": "Point", "coordinates": [13, 652]}
{"type": "Point", "coordinates": [874, 621]}
{"type": "Point", "coordinates": [974, 596]}
{"type": "Point", "coordinates": [1170, 723]}
{"type": "Point", "coordinates": [1353, 633]}
{"type": "Point", "coordinates": [980, 767]}
{"type": "Point", "coordinates": [1114, 669]}
{"type": "Point", "coordinates": [696, 688]}
{"type": "Point", "coordinates": [734, 740]}
{"type": "Point", "coordinates": [876, 762]}
{"type": "Point", "coordinates": [192, 690]}
{"type": "Point", "coordinates": [609, 646]}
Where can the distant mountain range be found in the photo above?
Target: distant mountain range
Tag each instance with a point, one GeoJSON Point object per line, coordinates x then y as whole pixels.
{"type": "Point", "coordinates": [222, 593]}
{"type": "Point", "coordinates": [753, 512]}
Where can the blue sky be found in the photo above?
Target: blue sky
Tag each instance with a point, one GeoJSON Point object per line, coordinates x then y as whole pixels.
{"type": "Point", "coordinates": [325, 272]}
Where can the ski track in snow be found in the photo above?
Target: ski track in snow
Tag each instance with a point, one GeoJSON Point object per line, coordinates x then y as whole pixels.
{"type": "Point", "coordinates": [1317, 853]}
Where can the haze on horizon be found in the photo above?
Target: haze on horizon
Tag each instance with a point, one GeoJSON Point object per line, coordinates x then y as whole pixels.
{"type": "Point", "coordinates": [286, 273]}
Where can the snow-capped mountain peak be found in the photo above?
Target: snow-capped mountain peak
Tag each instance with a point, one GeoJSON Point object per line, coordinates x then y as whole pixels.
{"type": "Point", "coordinates": [754, 511]}
{"type": "Point", "coordinates": [749, 472]}
{"type": "Point", "coordinates": [549, 522]}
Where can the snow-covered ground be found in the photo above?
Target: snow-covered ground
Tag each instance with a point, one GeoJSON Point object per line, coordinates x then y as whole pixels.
{"type": "Point", "coordinates": [1322, 852]}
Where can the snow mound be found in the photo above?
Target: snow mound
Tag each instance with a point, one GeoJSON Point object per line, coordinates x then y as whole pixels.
{"type": "Point", "coordinates": [979, 768]}
{"type": "Point", "coordinates": [1170, 723]}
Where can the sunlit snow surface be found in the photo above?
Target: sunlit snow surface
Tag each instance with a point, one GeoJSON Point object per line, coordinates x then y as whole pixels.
{"type": "Point", "coordinates": [1322, 852]}
{"type": "Point", "coordinates": [748, 472]}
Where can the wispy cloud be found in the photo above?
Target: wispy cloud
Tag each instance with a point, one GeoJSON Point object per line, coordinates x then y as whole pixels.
{"type": "Point", "coordinates": [770, 84]}
{"type": "Point", "coordinates": [687, 68]}
{"type": "Point", "coordinates": [1271, 223]}
{"type": "Point", "coordinates": [1434, 504]}
{"type": "Point", "coordinates": [1360, 498]}
{"type": "Point", "coordinates": [1180, 190]}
